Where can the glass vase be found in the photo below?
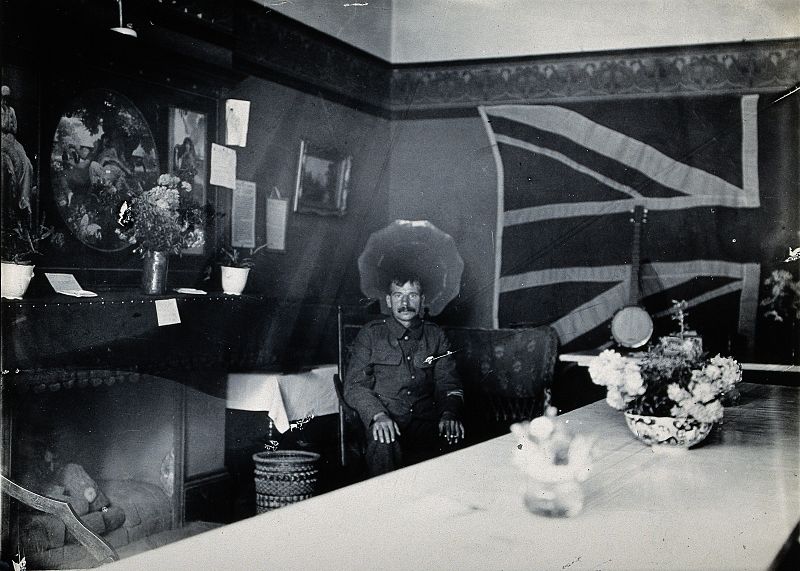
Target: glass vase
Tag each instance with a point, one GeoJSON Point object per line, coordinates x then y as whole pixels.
{"type": "Point", "coordinates": [154, 273]}
{"type": "Point", "coordinates": [561, 498]}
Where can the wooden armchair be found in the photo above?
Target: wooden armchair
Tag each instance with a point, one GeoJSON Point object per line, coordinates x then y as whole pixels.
{"type": "Point", "coordinates": [94, 544]}
{"type": "Point", "coordinates": [351, 439]}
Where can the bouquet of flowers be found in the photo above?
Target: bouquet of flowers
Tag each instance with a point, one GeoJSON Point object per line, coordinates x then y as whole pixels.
{"type": "Point", "coordinates": [667, 381]}
{"type": "Point", "coordinates": [163, 219]}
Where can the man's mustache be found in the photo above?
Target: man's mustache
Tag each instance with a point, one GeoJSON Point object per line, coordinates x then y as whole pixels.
{"type": "Point", "coordinates": [406, 308]}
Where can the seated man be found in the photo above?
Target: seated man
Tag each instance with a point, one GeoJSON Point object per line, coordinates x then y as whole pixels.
{"type": "Point", "coordinates": [403, 383]}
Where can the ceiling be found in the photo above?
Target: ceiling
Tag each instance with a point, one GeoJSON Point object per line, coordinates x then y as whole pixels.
{"type": "Point", "coordinates": [416, 31]}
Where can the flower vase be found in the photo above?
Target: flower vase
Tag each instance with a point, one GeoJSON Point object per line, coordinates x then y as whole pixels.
{"type": "Point", "coordinates": [665, 432]}
{"type": "Point", "coordinates": [154, 273]}
{"type": "Point", "coordinates": [561, 497]}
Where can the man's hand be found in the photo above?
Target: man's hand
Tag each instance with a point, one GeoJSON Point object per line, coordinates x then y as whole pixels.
{"type": "Point", "coordinates": [384, 429]}
{"type": "Point", "coordinates": [451, 429]}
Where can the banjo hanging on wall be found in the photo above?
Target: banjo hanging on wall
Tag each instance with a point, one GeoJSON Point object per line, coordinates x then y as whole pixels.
{"type": "Point", "coordinates": [632, 326]}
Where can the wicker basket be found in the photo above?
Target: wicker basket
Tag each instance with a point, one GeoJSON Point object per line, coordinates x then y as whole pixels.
{"type": "Point", "coordinates": [284, 477]}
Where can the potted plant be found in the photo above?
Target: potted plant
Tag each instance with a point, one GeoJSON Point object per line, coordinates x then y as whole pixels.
{"type": "Point", "coordinates": [21, 242]}
{"type": "Point", "coordinates": [779, 330]}
{"type": "Point", "coordinates": [236, 268]}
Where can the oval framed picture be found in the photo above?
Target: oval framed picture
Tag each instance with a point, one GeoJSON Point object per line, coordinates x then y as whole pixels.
{"type": "Point", "coordinates": [103, 154]}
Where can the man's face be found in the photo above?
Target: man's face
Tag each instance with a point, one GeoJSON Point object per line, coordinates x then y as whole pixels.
{"type": "Point", "coordinates": [405, 301]}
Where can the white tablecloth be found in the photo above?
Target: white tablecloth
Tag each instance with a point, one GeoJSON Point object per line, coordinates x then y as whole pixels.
{"type": "Point", "coordinates": [287, 397]}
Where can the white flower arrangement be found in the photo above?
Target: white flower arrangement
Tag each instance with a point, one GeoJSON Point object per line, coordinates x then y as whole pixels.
{"type": "Point", "coordinates": [666, 382]}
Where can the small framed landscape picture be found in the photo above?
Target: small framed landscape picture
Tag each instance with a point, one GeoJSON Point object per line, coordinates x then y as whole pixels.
{"type": "Point", "coordinates": [323, 177]}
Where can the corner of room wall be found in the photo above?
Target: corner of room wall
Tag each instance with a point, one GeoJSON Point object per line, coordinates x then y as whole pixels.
{"type": "Point", "coordinates": [320, 261]}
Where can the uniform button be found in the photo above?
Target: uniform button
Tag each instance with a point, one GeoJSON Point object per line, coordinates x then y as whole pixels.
{"type": "Point", "coordinates": [408, 358]}
{"type": "Point", "coordinates": [406, 337]}
{"type": "Point", "coordinates": [408, 392]}
{"type": "Point", "coordinates": [411, 409]}
{"type": "Point", "coordinates": [413, 377]}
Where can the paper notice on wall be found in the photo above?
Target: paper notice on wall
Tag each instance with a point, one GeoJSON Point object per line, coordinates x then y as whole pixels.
{"type": "Point", "coordinates": [277, 211]}
{"type": "Point", "coordinates": [243, 215]}
{"type": "Point", "coordinates": [223, 166]}
{"type": "Point", "coordinates": [237, 115]}
{"type": "Point", "coordinates": [167, 312]}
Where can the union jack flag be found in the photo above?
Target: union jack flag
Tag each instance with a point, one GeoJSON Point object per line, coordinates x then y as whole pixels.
{"type": "Point", "coordinates": [568, 180]}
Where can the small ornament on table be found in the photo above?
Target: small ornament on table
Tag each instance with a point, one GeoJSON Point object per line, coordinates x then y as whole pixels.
{"type": "Point", "coordinates": [556, 463]}
{"type": "Point", "coordinates": [684, 341]}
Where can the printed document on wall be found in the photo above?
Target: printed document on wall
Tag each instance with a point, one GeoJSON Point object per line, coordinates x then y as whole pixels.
{"type": "Point", "coordinates": [243, 215]}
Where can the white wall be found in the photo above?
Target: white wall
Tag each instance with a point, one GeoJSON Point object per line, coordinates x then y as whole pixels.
{"type": "Point", "coordinates": [406, 31]}
{"type": "Point", "coordinates": [365, 24]}
{"type": "Point", "coordinates": [427, 30]}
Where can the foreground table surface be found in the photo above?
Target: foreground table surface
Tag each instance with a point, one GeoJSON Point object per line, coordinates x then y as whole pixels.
{"type": "Point", "coordinates": [730, 503]}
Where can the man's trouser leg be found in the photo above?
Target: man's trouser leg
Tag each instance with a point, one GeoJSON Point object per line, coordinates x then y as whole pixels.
{"type": "Point", "coordinates": [419, 440]}
{"type": "Point", "coordinates": [382, 457]}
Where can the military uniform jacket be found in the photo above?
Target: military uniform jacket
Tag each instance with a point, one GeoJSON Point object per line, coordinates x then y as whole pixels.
{"type": "Point", "coordinates": [386, 372]}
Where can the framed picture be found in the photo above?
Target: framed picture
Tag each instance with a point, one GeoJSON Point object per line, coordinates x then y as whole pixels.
{"type": "Point", "coordinates": [323, 176]}
{"type": "Point", "coordinates": [103, 154]}
{"type": "Point", "coordinates": [187, 140]}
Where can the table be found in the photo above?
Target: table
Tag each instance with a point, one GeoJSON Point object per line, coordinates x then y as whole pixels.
{"type": "Point", "coordinates": [584, 359]}
{"type": "Point", "coordinates": [287, 397]}
{"type": "Point", "coordinates": [731, 503]}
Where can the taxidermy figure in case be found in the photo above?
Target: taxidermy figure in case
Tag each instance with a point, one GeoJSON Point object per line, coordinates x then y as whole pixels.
{"type": "Point", "coordinates": [18, 186]}
{"type": "Point", "coordinates": [22, 233]}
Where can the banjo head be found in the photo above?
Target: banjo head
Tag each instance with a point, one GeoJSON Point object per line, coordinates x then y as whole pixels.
{"type": "Point", "coordinates": [631, 327]}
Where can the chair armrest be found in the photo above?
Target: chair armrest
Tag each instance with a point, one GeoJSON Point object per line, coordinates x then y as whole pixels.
{"type": "Point", "coordinates": [95, 544]}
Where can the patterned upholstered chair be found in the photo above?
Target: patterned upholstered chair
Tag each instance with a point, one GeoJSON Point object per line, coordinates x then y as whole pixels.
{"type": "Point", "coordinates": [506, 373]}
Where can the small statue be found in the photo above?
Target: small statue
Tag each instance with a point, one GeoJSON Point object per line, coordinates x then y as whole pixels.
{"type": "Point", "coordinates": [18, 182]}
{"type": "Point", "coordinates": [686, 341]}
{"type": "Point", "coordinates": [679, 314]}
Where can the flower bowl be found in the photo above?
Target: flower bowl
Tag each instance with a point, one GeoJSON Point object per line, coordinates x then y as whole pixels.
{"type": "Point", "coordinates": [666, 431]}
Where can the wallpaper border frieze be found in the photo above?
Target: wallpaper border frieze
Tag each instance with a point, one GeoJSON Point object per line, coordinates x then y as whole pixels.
{"type": "Point", "coordinates": [720, 69]}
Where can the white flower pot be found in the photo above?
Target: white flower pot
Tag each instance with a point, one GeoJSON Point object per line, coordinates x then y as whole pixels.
{"type": "Point", "coordinates": [234, 279]}
{"type": "Point", "coordinates": [15, 279]}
